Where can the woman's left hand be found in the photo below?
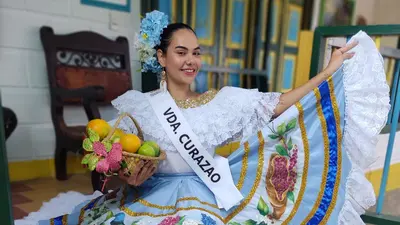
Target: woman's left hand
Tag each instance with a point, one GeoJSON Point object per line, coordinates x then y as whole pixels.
{"type": "Point", "coordinates": [338, 57]}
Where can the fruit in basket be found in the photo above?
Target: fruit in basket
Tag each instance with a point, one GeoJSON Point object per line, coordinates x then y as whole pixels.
{"type": "Point", "coordinates": [101, 127]}
{"type": "Point", "coordinates": [116, 137]}
{"type": "Point", "coordinates": [147, 150]}
{"type": "Point", "coordinates": [130, 143]}
{"type": "Point", "coordinates": [155, 147]}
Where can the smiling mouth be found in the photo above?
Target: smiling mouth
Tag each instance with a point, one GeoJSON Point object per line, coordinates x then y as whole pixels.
{"type": "Point", "coordinates": [189, 70]}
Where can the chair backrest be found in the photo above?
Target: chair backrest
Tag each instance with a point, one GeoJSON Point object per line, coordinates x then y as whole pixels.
{"type": "Point", "coordinates": [86, 58]}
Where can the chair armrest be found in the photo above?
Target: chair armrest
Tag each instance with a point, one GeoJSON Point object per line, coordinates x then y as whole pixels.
{"type": "Point", "coordinates": [92, 93]}
{"type": "Point", "coordinates": [89, 96]}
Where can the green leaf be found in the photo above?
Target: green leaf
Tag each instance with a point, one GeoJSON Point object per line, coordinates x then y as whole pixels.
{"type": "Point", "coordinates": [110, 214]}
{"type": "Point", "coordinates": [124, 164]}
{"type": "Point", "coordinates": [85, 159]}
{"type": "Point", "coordinates": [292, 124]}
{"type": "Point", "coordinates": [181, 220]}
{"type": "Point", "coordinates": [262, 207]}
{"type": "Point", "coordinates": [87, 145]}
{"type": "Point", "coordinates": [93, 162]}
{"type": "Point", "coordinates": [290, 144]}
{"type": "Point", "coordinates": [282, 129]}
{"type": "Point", "coordinates": [107, 145]}
{"type": "Point", "coordinates": [281, 150]}
{"type": "Point", "coordinates": [290, 196]}
{"type": "Point", "coordinates": [93, 136]}
{"type": "Point", "coordinates": [234, 223]}
{"type": "Point", "coordinates": [250, 222]}
{"type": "Point", "coordinates": [273, 136]}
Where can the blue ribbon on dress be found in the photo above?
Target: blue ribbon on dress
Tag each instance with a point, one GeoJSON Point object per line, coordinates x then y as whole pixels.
{"type": "Point", "coordinates": [328, 112]}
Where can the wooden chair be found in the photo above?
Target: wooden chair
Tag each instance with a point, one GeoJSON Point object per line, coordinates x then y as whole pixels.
{"type": "Point", "coordinates": [84, 69]}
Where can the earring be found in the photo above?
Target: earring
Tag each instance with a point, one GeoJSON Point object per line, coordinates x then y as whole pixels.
{"type": "Point", "coordinates": [163, 82]}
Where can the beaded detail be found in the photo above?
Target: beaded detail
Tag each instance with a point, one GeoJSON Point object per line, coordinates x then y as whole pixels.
{"type": "Point", "coordinates": [198, 101]}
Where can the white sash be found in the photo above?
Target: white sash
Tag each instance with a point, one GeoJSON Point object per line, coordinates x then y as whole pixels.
{"type": "Point", "coordinates": [214, 172]}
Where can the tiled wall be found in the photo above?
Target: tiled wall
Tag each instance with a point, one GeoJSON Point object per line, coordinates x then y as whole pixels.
{"type": "Point", "coordinates": [23, 76]}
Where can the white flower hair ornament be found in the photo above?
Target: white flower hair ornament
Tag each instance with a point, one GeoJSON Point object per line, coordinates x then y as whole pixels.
{"type": "Point", "coordinates": [149, 37]}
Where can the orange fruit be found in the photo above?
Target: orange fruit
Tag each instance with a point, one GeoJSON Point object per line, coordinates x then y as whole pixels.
{"type": "Point", "coordinates": [101, 127]}
{"type": "Point", "coordinates": [130, 143]}
{"type": "Point", "coordinates": [117, 135]}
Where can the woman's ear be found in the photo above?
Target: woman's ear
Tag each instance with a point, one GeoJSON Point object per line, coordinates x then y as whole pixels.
{"type": "Point", "coordinates": [161, 57]}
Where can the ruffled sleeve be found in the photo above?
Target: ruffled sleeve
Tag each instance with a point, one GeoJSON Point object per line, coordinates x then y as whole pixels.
{"type": "Point", "coordinates": [235, 114]}
{"type": "Point", "coordinates": [366, 110]}
{"type": "Point", "coordinates": [260, 112]}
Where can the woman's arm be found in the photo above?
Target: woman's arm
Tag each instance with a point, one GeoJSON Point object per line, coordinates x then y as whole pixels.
{"type": "Point", "coordinates": [288, 99]}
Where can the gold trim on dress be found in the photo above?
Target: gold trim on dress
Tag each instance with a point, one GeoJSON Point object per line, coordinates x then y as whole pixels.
{"type": "Point", "coordinates": [253, 190]}
{"type": "Point", "coordinates": [196, 102]}
{"type": "Point", "coordinates": [243, 171]}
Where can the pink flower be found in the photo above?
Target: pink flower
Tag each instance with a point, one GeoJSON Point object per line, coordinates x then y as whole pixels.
{"type": "Point", "coordinates": [111, 159]}
{"type": "Point", "coordinates": [99, 148]}
{"type": "Point", "coordinates": [170, 221]}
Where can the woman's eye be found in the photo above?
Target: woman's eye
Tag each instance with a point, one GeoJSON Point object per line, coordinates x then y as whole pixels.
{"type": "Point", "coordinates": [197, 53]}
{"type": "Point", "coordinates": [181, 53]}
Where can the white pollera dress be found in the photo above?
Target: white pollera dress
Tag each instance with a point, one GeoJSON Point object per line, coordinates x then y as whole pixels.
{"type": "Point", "coordinates": [304, 167]}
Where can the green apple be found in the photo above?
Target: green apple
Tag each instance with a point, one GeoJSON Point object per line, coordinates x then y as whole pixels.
{"type": "Point", "coordinates": [147, 150]}
{"type": "Point", "coordinates": [155, 147]}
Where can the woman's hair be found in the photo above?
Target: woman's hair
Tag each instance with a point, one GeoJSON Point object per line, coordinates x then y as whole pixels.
{"type": "Point", "coordinates": [168, 32]}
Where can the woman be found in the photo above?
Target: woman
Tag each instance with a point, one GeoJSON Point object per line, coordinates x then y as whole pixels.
{"type": "Point", "coordinates": [304, 167]}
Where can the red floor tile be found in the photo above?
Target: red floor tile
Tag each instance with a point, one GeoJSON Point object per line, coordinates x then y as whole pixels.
{"type": "Point", "coordinates": [18, 213]}
{"type": "Point", "coordinates": [19, 199]}
{"type": "Point", "coordinates": [19, 187]}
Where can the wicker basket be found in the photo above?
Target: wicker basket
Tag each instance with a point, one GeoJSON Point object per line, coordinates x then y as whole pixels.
{"type": "Point", "coordinates": [132, 159]}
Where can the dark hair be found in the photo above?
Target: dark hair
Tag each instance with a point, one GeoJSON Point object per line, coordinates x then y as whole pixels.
{"type": "Point", "coordinates": [167, 33]}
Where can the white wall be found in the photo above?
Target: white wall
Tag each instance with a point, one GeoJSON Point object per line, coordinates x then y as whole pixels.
{"type": "Point", "coordinates": [23, 75]}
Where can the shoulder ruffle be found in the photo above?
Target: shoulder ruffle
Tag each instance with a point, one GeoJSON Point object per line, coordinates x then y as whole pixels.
{"type": "Point", "coordinates": [366, 111]}
{"type": "Point", "coordinates": [234, 114]}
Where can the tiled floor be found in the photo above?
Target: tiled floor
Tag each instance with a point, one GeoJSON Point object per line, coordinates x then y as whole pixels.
{"type": "Point", "coordinates": [28, 196]}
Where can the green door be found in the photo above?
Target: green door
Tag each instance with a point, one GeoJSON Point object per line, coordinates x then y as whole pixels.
{"type": "Point", "coordinates": [5, 193]}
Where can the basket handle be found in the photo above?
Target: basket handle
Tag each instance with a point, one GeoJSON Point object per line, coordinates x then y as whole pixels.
{"type": "Point", "coordinates": [123, 115]}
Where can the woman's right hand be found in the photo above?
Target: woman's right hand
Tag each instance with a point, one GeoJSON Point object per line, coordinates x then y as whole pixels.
{"type": "Point", "coordinates": [139, 176]}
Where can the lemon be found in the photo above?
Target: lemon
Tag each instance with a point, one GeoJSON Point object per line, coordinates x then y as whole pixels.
{"type": "Point", "coordinates": [130, 143]}
{"type": "Point", "coordinates": [101, 127]}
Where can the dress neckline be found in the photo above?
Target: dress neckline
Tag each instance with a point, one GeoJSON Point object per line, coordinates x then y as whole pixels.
{"type": "Point", "coordinates": [200, 100]}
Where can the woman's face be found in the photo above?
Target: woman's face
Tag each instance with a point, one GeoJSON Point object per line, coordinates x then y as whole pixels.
{"type": "Point", "coordinates": [182, 60]}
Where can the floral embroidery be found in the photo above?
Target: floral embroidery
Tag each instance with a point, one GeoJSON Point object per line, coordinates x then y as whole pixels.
{"type": "Point", "coordinates": [170, 221]}
{"type": "Point", "coordinates": [281, 174]}
{"type": "Point", "coordinates": [206, 220]}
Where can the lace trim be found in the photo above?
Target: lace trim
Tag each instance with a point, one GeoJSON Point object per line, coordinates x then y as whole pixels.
{"type": "Point", "coordinates": [233, 114]}
{"type": "Point", "coordinates": [366, 109]}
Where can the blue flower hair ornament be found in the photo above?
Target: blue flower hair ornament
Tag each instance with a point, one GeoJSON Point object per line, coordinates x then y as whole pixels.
{"type": "Point", "coordinates": [149, 36]}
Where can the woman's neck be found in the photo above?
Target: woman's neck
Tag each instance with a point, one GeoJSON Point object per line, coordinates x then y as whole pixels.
{"type": "Point", "coordinates": [179, 92]}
